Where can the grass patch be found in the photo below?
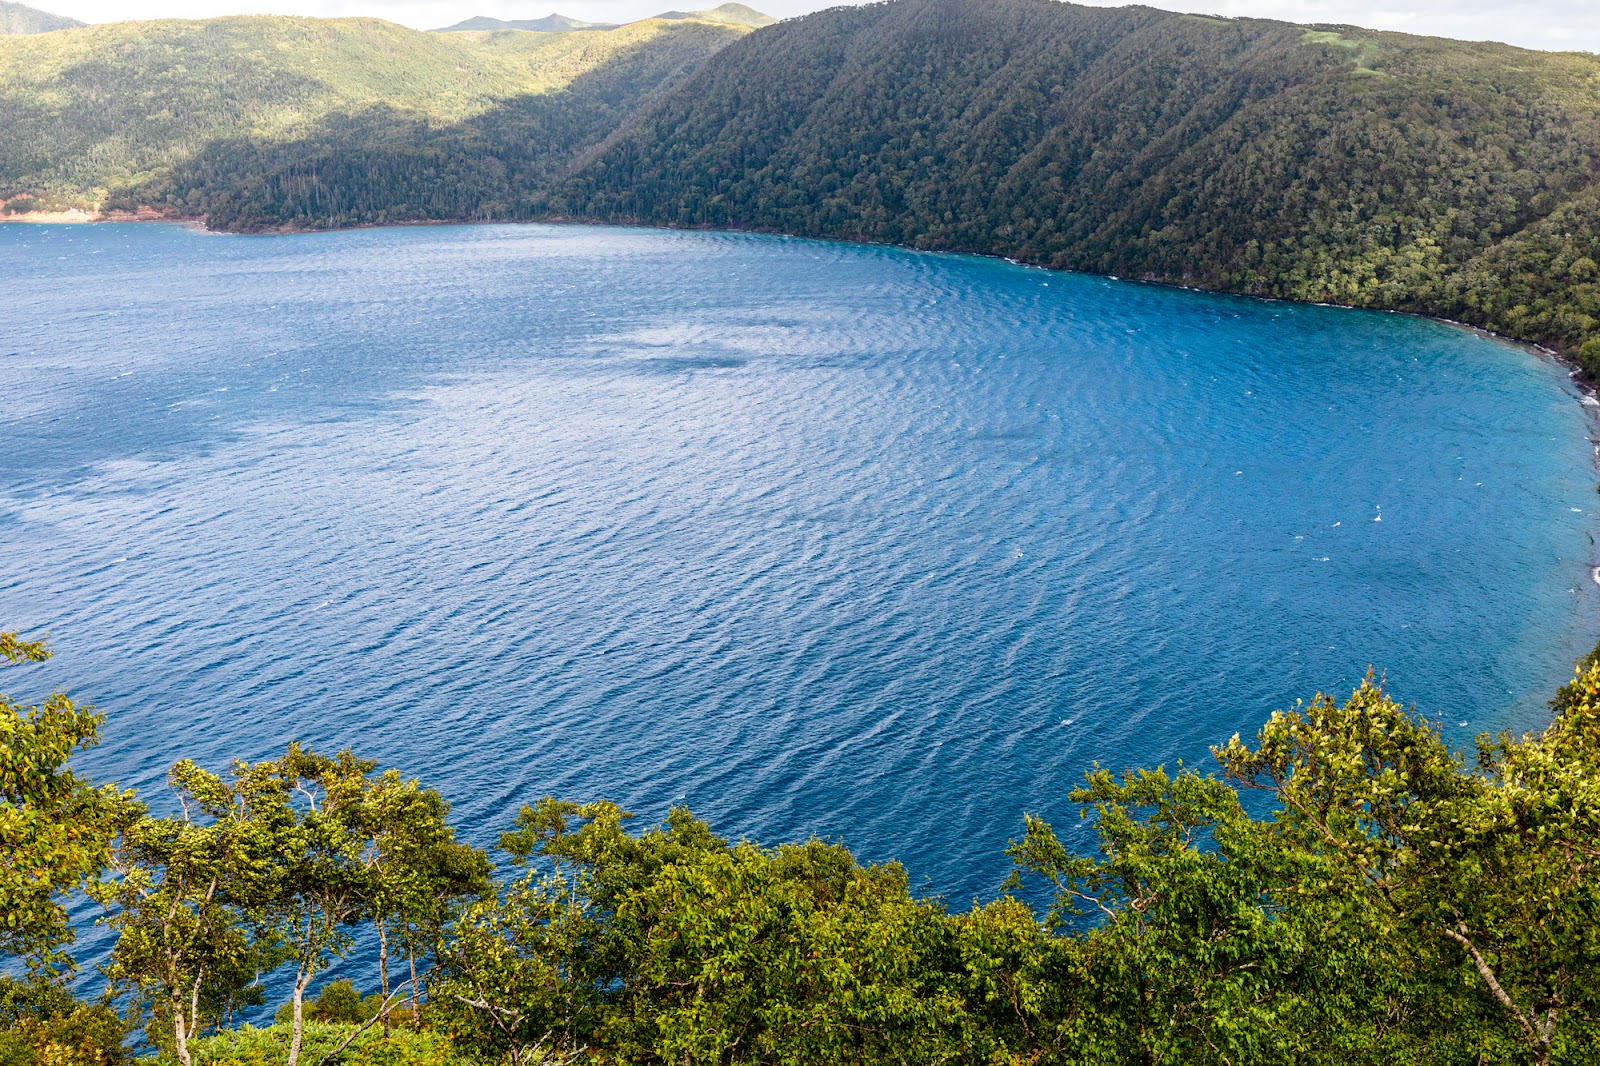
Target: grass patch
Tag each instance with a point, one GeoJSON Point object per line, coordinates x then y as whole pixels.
{"type": "Point", "coordinates": [1366, 52]}
{"type": "Point", "coordinates": [249, 1046]}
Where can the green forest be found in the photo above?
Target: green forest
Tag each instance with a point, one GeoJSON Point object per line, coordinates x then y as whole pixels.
{"type": "Point", "coordinates": [343, 118]}
{"type": "Point", "coordinates": [1326, 164]}
{"type": "Point", "coordinates": [1341, 888]}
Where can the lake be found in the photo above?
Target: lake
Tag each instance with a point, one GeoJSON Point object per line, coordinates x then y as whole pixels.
{"type": "Point", "coordinates": [817, 539]}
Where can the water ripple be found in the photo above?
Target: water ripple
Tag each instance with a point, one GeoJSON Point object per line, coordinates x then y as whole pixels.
{"type": "Point", "coordinates": [819, 539]}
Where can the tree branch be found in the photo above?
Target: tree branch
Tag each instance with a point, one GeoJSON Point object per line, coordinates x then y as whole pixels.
{"type": "Point", "coordinates": [389, 1004]}
{"type": "Point", "coordinates": [1460, 937]}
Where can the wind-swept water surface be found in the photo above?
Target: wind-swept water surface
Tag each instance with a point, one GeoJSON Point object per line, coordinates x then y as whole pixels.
{"type": "Point", "coordinates": [814, 538]}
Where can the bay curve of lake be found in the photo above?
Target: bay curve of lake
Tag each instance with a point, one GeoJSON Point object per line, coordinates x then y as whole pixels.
{"type": "Point", "coordinates": [877, 545]}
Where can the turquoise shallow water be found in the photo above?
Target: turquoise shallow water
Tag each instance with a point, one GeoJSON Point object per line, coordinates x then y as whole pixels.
{"type": "Point", "coordinates": [816, 538]}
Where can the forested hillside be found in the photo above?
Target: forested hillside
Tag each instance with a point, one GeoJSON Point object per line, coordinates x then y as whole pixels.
{"type": "Point", "coordinates": [1329, 164]}
{"type": "Point", "coordinates": [193, 117]}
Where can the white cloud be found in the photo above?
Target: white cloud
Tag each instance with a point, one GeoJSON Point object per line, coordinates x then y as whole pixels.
{"type": "Point", "coordinates": [1565, 24]}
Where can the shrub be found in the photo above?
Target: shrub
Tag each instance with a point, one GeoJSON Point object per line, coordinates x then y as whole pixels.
{"type": "Point", "coordinates": [1589, 358]}
{"type": "Point", "coordinates": [41, 1024]}
{"type": "Point", "coordinates": [338, 1003]}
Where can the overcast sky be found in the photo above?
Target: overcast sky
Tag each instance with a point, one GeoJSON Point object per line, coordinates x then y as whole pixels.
{"type": "Point", "coordinates": [1555, 24]}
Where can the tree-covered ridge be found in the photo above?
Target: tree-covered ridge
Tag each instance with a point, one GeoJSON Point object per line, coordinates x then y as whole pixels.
{"type": "Point", "coordinates": [19, 18]}
{"type": "Point", "coordinates": [1329, 164]}
{"type": "Point", "coordinates": [1342, 889]}
{"type": "Point", "coordinates": [90, 115]}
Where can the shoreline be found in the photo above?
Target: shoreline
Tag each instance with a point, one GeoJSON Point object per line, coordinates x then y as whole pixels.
{"type": "Point", "coordinates": [77, 216]}
{"type": "Point", "coordinates": [1588, 390]}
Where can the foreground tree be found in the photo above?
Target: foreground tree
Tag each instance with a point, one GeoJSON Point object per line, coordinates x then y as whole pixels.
{"type": "Point", "coordinates": [1387, 903]}
{"type": "Point", "coordinates": [1199, 936]}
{"type": "Point", "coordinates": [55, 827]}
{"type": "Point", "coordinates": [277, 863]}
{"type": "Point", "coordinates": [365, 849]}
{"type": "Point", "coordinates": [674, 945]}
{"type": "Point", "coordinates": [323, 888]}
{"type": "Point", "coordinates": [1488, 877]}
{"type": "Point", "coordinates": [418, 874]}
{"type": "Point", "coordinates": [184, 896]}
{"type": "Point", "coordinates": [43, 1024]}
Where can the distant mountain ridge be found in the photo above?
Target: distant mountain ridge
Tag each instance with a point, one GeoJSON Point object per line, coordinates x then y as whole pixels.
{"type": "Point", "coordinates": [19, 19]}
{"type": "Point", "coordinates": [548, 24]}
{"type": "Point", "coordinates": [732, 14]}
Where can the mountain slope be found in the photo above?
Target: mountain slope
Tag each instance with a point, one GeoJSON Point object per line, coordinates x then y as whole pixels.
{"type": "Point", "coordinates": [18, 19]}
{"type": "Point", "coordinates": [1327, 164]}
{"type": "Point", "coordinates": [384, 164]}
{"type": "Point", "coordinates": [173, 114]}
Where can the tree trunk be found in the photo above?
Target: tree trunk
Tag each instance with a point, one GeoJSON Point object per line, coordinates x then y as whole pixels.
{"type": "Point", "coordinates": [1546, 1029]}
{"type": "Point", "coordinates": [416, 1006]}
{"type": "Point", "coordinates": [180, 1029]}
{"type": "Point", "coordinates": [1539, 1032]}
{"type": "Point", "coordinates": [301, 980]}
{"type": "Point", "coordinates": [194, 1008]}
{"type": "Point", "coordinates": [383, 971]}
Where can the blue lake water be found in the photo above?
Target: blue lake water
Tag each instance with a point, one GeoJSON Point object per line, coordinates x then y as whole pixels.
{"type": "Point", "coordinates": [817, 539]}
